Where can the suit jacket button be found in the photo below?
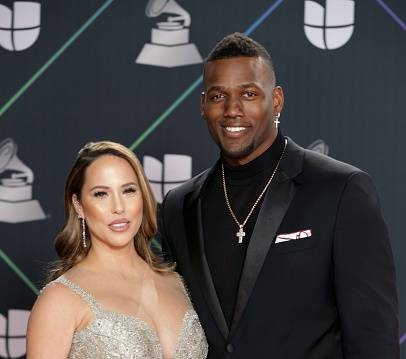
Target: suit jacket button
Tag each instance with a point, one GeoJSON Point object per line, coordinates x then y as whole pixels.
{"type": "Point", "coordinates": [230, 348]}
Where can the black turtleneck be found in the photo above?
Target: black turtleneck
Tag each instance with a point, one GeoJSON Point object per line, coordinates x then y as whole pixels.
{"type": "Point", "coordinates": [224, 254]}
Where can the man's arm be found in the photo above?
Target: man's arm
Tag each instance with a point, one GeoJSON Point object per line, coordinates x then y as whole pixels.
{"type": "Point", "coordinates": [365, 281]}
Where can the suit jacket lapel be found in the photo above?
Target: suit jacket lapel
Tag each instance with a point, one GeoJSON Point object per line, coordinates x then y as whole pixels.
{"type": "Point", "coordinates": [276, 203]}
{"type": "Point", "coordinates": [194, 233]}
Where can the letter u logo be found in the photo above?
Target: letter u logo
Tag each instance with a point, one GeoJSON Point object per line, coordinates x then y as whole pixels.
{"type": "Point", "coordinates": [20, 27]}
{"type": "Point", "coordinates": [329, 27]}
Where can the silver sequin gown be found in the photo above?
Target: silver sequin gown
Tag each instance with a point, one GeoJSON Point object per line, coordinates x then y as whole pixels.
{"type": "Point", "coordinates": [113, 335]}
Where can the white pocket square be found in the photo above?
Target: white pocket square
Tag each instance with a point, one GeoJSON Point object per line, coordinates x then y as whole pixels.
{"type": "Point", "coordinates": [293, 236]}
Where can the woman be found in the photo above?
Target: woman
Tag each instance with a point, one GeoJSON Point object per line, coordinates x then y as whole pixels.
{"type": "Point", "coordinates": [109, 296]}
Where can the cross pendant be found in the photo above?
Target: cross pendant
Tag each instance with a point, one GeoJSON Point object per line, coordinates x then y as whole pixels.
{"type": "Point", "coordinates": [240, 234]}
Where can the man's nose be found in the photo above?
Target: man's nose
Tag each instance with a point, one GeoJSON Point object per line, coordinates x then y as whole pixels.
{"type": "Point", "coordinates": [233, 107]}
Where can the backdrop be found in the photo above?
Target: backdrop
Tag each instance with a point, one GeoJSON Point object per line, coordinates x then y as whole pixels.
{"type": "Point", "coordinates": [130, 71]}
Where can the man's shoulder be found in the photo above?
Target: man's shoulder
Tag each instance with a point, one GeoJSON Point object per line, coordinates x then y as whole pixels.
{"type": "Point", "coordinates": [327, 164]}
{"type": "Point", "coordinates": [320, 167]}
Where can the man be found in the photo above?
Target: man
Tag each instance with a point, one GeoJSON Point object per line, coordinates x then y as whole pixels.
{"type": "Point", "coordinates": [284, 251]}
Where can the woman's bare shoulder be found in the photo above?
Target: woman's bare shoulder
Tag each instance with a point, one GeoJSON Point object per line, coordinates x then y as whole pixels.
{"type": "Point", "coordinates": [172, 280]}
{"type": "Point", "coordinates": [52, 322]}
{"type": "Point", "coordinates": [56, 294]}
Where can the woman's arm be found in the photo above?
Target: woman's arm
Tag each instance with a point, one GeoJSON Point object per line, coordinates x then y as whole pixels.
{"type": "Point", "coordinates": [52, 323]}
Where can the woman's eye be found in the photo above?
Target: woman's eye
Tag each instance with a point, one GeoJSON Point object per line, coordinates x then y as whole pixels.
{"type": "Point", "coordinates": [130, 190]}
{"type": "Point", "coordinates": [100, 194]}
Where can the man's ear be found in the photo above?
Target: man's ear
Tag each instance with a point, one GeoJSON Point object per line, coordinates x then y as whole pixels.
{"type": "Point", "coordinates": [77, 206]}
{"type": "Point", "coordinates": [278, 99]}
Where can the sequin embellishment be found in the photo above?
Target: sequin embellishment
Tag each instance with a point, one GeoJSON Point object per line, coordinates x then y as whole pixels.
{"type": "Point", "coordinates": [119, 336]}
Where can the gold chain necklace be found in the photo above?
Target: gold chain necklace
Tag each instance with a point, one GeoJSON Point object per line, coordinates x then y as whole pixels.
{"type": "Point", "coordinates": [241, 234]}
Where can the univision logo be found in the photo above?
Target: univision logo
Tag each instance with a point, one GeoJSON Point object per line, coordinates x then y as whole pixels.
{"type": "Point", "coordinates": [165, 176]}
{"type": "Point", "coordinates": [20, 27]}
{"type": "Point", "coordinates": [329, 27]}
{"type": "Point", "coordinates": [12, 333]}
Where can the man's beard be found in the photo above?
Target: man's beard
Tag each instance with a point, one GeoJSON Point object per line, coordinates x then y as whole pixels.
{"type": "Point", "coordinates": [242, 152]}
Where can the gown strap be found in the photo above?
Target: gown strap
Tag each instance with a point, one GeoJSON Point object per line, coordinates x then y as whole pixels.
{"type": "Point", "coordinates": [183, 286]}
{"type": "Point", "coordinates": [86, 296]}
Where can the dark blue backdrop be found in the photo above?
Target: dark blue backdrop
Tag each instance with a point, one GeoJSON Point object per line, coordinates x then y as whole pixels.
{"type": "Point", "coordinates": [68, 75]}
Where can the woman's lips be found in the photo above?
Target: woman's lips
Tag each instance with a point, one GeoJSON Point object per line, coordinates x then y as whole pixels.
{"type": "Point", "coordinates": [119, 225]}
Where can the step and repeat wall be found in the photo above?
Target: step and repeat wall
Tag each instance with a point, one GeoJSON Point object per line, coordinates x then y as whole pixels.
{"type": "Point", "coordinates": [130, 71]}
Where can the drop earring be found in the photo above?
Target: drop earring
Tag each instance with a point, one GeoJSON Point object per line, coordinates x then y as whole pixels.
{"type": "Point", "coordinates": [276, 119]}
{"type": "Point", "coordinates": [83, 232]}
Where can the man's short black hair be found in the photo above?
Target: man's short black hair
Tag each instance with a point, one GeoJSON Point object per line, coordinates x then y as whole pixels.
{"type": "Point", "coordinates": [239, 45]}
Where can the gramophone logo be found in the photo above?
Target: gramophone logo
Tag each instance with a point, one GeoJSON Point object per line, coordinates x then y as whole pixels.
{"type": "Point", "coordinates": [329, 27]}
{"type": "Point", "coordinates": [169, 45]}
{"type": "Point", "coordinates": [175, 170]}
{"type": "Point", "coordinates": [16, 203]}
{"type": "Point", "coordinates": [12, 333]}
{"type": "Point", "coordinates": [19, 28]}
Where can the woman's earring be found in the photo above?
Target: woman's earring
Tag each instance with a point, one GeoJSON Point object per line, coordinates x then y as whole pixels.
{"type": "Point", "coordinates": [83, 232]}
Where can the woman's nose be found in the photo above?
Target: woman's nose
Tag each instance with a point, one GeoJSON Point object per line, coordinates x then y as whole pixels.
{"type": "Point", "coordinates": [118, 205]}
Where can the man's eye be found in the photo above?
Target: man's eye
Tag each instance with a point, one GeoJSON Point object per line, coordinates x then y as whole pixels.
{"type": "Point", "coordinates": [217, 97]}
{"type": "Point", "coordinates": [249, 94]}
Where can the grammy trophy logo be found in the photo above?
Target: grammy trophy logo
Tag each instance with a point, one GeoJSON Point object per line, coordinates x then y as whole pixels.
{"type": "Point", "coordinates": [16, 178]}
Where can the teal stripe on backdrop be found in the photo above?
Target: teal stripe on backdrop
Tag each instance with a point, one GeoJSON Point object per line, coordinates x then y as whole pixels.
{"type": "Point", "coordinates": [197, 82]}
{"type": "Point", "coordinates": [54, 57]}
{"type": "Point", "coordinates": [18, 271]}
{"type": "Point", "coordinates": [21, 91]}
{"type": "Point", "coordinates": [144, 135]}
{"type": "Point", "coordinates": [166, 113]}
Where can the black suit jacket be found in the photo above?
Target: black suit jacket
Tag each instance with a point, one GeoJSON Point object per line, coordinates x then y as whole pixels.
{"type": "Point", "coordinates": [331, 295]}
